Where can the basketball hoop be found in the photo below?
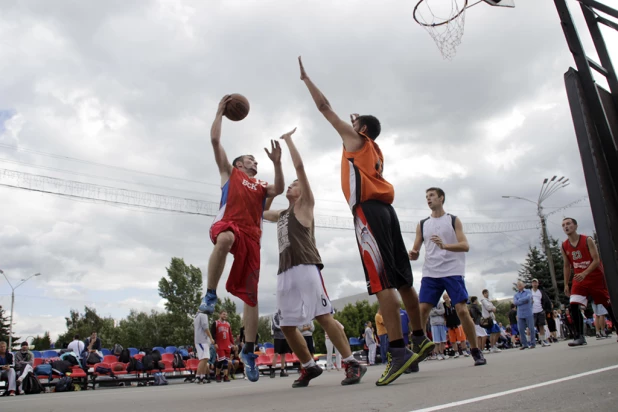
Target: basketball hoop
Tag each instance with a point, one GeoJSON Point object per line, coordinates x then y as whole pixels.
{"type": "Point", "coordinates": [445, 22]}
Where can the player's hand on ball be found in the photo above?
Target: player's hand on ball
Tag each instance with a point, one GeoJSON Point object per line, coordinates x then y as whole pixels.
{"type": "Point", "coordinates": [436, 239]}
{"type": "Point", "coordinates": [287, 135]}
{"type": "Point", "coordinates": [223, 103]}
{"type": "Point", "coordinates": [303, 74]}
{"type": "Point", "coordinates": [275, 154]}
{"type": "Point", "coordinates": [413, 254]}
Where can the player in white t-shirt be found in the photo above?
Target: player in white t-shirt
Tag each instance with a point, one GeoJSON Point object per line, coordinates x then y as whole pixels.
{"type": "Point", "coordinates": [203, 340]}
{"type": "Point", "coordinates": [445, 265]}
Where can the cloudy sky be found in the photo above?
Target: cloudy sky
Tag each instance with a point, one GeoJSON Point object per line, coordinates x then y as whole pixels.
{"type": "Point", "coordinates": [122, 94]}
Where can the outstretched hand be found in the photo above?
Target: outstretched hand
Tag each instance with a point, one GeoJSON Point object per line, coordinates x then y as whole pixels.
{"type": "Point", "coordinates": [223, 104]}
{"type": "Point", "coordinates": [275, 154]}
{"type": "Point", "coordinates": [303, 74]}
{"type": "Point", "coordinates": [287, 135]}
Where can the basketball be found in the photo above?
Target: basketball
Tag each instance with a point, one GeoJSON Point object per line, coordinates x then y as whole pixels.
{"type": "Point", "coordinates": [237, 108]}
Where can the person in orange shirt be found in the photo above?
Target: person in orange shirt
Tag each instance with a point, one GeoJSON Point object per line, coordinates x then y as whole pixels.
{"type": "Point", "coordinates": [378, 234]}
{"type": "Point", "coordinates": [382, 335]}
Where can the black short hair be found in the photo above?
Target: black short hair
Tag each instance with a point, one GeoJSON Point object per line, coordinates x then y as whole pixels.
{"type": "Point", "coordinates": [473, 299]}
{"type": "Point", "coordinates": [373, 125]}
{"type": "Point", "coordinates": [238, 159]}
{"type": "Point", "coordinates": [484, 290]}
{"type": "Point", "coordinates": [571, 219]}
{"type": "Point", "coordinates": [76, 336]}
{"type": "Point", "coordinates": [439, 191]}
{"type": "Point", "coordinates": [24, 343]}
{"type": "Point", "coordinates": [512, 306]}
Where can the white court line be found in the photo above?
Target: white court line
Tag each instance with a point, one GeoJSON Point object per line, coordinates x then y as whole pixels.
{"type": "Point", "coordinates": [525, 388]}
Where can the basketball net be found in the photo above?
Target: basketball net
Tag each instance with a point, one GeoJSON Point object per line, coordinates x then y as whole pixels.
{"type": "Point", "coordinates": [444, 22]}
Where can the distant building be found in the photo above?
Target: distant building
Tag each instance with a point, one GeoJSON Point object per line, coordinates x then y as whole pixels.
{"type": "Point", "coordinates": [339, 304]}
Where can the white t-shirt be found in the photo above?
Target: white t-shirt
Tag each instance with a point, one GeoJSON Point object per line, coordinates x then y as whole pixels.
{"type": "Point", "coordinates": [77, 346]}
{"type": "Point", "coordinates": [441, 263]}
{"type": "Point", "coordinates": [536, 298]}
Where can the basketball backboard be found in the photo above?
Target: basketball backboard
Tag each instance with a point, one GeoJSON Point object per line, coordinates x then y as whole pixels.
{"type": "Point", "coordinates": [501, 3]}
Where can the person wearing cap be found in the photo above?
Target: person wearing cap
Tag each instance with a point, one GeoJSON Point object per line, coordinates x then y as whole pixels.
{"type": "Point", "coordinates": [541, 304]}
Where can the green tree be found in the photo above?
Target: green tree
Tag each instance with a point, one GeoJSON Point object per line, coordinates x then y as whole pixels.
{"type": "Point", "coordinates": [232, 316]}
{"type": "Point", "coordinates": [147, 330]}
{"type": "Point", "coordinates": [264, 330]}
{"type": "Point", "coordinates": [502, 312]}
{"type": "Point", "coordinates": [87, 323]}
{"type": "Point", "coordinates": [5, 323]}
{"type": "Point", "coordinates": [537, 266]}
{"type": "Point", "coordinates": [182, 290]}
{"type": "Point", "coordinates": [41, 342]}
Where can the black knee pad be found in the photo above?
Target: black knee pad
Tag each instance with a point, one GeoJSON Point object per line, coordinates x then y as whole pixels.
{"type": "Point", "coordinates": [224, 364]}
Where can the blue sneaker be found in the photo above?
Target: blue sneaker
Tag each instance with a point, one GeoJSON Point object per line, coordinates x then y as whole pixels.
{"type": "Point", "coordinates": [248, 359]}
{"type": "Point", "coordinates": [208, 303]}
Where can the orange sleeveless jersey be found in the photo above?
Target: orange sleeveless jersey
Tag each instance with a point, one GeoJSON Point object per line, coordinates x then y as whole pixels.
{"type": "Point", "coordinates": [361, 175]}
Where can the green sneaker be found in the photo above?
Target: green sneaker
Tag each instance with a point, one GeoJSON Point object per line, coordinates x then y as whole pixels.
{"type": "Point", "coordinates": [399, 359]}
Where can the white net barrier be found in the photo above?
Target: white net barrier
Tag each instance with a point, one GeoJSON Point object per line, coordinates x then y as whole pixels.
{"type": "Point", "coordinates": [444, 20]}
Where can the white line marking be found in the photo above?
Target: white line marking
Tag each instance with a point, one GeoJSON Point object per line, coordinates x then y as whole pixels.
{"type": "Point", "coordinates": [525, 388]}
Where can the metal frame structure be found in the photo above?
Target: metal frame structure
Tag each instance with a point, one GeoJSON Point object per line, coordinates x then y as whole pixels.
{"type": "Point", "coordinates": [595, 117]}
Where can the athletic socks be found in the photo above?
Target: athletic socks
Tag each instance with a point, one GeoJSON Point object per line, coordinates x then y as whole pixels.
{"type": "Point", "coordinates": [350, 359]}
{"type": "Point", "coordinates": [576, 315]}
{"type": "Point", "coordinates": [308, 364]}
{"type": "Point", "coordinates": [419, 333]}
{"type": "Point", "coordinates": [397, 343]}
{"type": "Point", "coordinates": [249, 347]}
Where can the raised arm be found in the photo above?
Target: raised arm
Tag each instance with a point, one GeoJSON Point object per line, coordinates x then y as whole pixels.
{"type": "Point", "coordinates": [418, 243]}
{"type": "Point", "coordinates": [306, 198]}
{"type": "Point", "coordinates": [225, 168]}
{"type": "Point", "coordinates": [271, 215]}
{"type": "Point", "coordinates": [566, 272]}
{"type": "Point", "coordinates": [275, 156]}
{"type": "Point", "coordinates": [352, 141]}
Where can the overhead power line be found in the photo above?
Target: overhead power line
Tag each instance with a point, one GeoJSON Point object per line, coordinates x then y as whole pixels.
{"type": "Point", "coordinates": [152, 201]}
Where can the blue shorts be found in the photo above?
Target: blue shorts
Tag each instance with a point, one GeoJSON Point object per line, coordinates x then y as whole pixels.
{"type": "Point", "coordinates": [432, 289]}
{"type": "Point", "coordinates": [514, 330]}
{"type": "Point", "coordinates": [438, 333]}
{"type": "Point", "coordinates": [494, 329]}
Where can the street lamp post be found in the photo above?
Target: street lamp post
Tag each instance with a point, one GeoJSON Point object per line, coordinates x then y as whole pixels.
{"type": "Point", "coordinates": [548, 188]}
{"type": "Point", "coordinates": [13, 303]}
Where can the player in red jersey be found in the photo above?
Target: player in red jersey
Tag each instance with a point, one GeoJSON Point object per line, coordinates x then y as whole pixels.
{"type": "Point", "coordinates": [222, 331]}
{"type": "Point", "coordinates": [237, 229]}
{"type": "Point", "coordinates": [582, 256]}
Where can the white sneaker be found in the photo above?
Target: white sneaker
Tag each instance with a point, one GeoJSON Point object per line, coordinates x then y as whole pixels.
{"type": "Point", "coordinates": [456, 355]}
{"type": "Point", "coordinates": [467, 354]}
{"type": "Point", "coordinates": [486, 351]}
{"type": "Point", "coordinates": [545, 343]}
{"type": "Point", "coordinates": [440, 357]}
{"type": "Point", "coordinates": [495, 350]}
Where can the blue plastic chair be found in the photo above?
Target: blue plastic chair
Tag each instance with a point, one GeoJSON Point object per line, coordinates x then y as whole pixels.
{"type": "Point", "coordinates": [171, 349]}
{"type": "Point", "coordinates": [37, 354]}
{"type": "Point", "coordinates": [160, 349]}
{"type": "Point", "coordinates": [50, 354]}
{"type": "Point", "coordinates": [268, 345]}
{"type": "Point", "coordinates": [355, 342]}
{"type": "Point", "coordinates": [133, 351]}
{"type": "Point", "coordinates": [106, 352]}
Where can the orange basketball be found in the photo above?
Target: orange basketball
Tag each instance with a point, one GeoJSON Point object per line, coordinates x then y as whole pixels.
{"type": "Point", "coordinates": [237, 108]}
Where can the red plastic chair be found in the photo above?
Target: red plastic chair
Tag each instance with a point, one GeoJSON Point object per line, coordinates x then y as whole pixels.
{"type": "Point", "coordinates": [110, 359]}
{"type": "Point", "coordinates": [167, 357]}
{"type": "Point", "coordinates": [139, 356]}
{"type": "Point", "coordinates": [270, 351]}
{"type": "Point", "coordinates": [191, 364]}
{"type": "Point", "coordinates": [264, 360]}
{"type": "Point", "coordinates": [37, 362]}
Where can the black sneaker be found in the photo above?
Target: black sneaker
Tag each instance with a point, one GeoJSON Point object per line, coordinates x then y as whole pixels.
{"type": "Point", "coordinates": [283, 374]}
{"type": "Point", "coordinates": [306, 374]}
{"type": "Point", "coordinates": [412, 369]}
{"type": "Point", "coordinates": [478, 357]}
{"type": "Point", "coordinates": [272, 374]}
{"type": "Point", "coordinates": [398, 360]}
{"type": "Point", "coordinates": [578, 342]}
{"type": "Point", "coordinates": [422, 346]}
{"type": "Point", "coordinates": [354, 371]}
{"type": "Point", "coordinates": [218, 378]}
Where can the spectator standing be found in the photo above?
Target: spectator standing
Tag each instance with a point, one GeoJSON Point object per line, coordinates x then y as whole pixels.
{"type": "Point", "coordinates": [476, 314]}
{"type": "Point", "coordinates": [371, 344]}
{"type": "Point", "coordinates": [541, 305]}
{"type": "Point", "coordinates": [488, 310]}
{"type": "Point", "coordinates": [329, 351]}
{"type": "Point", "coordinates": [203, 341]}
{"type": "Point", "coordinates": [438, 329]}
{"type": "Point", "coordinates": [281, 345]}
{"type": "Point", "coordinates": [382, 336]}
{"type": "Point", "coordinates": [455, 332]}
{"type": "Point", "coordinates": [307, 332]}
{"type": "Point", "coordinates": [525, 317]}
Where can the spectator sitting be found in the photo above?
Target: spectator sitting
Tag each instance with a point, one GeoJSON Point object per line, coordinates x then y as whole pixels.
{"type": "Point", "coordinates": [6, 368]}
{"type": "Point", "coordinates": [93, 346]}
{"type": "Point", "coordinates": [24, 359]}
{"type": "Point", "coordinates": [77, 346]}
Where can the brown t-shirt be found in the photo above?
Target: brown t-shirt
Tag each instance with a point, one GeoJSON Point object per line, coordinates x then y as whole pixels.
{"type": "Point", "coordinates": [296, 242]}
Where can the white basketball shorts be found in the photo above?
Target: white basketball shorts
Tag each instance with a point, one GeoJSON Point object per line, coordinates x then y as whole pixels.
{"type": "Point", "coordinates": [301, 295]}
{"type": "Point", "coordinates": [202, 350]}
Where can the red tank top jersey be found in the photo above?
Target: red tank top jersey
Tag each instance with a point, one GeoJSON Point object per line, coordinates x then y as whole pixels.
{"type": "Point", "coordinates": [242, 202]}
{"type": "Point", "coordinates": [580, 258]}
{"type": "Point", "coordinates": [361, 175]}
{"type": "Point", "coordinates": [224, 334]}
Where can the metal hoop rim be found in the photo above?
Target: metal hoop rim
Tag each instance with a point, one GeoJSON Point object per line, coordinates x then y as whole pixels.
{"type": "Point", "coordinates": [463, 9]}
